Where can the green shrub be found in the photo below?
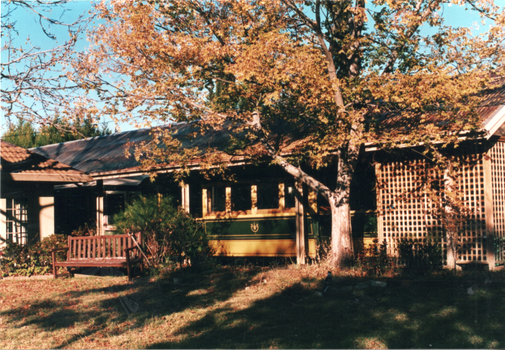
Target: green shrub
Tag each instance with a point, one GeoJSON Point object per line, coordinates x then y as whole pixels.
{"type": "Point", "coordinates": [31, 259]}
{"type": "Point", "coordinates": [167, 230]}
{"type": "Point", "coordinates": [420, 256]}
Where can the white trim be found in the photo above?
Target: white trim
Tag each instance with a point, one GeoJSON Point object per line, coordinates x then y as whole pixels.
{"type": "Point", "coordinates": [495, 121]}
{"type": "Point", "coordinates": [41, 177]}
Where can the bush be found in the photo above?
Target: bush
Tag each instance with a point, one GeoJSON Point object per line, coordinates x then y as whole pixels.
{"type": "Point", "coordinates": [31, 259]}
{"type": "Point", "coordinates": [84, 231]}
{"type": "Point", "coordinates": [375, 259]}
{"type": "Point", "coordinates": [166, 229]}
{"type": "Point", "coordinates": [418, 256]}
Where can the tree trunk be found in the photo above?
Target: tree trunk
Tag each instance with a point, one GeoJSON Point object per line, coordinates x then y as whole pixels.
{"type": "Point", "coordinates": [341, 232]}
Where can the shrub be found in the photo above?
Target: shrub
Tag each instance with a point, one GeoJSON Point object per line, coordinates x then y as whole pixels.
{"type": "Point", "coordinates": [84, 231]}
{"type": "Point", "coordinates": [375, 259]}
{"type": "Point", "coordinates": [418, 256]}
{"type": "Point", "coordinates": [166, 229]}
{"type": "Point", "coordinates": [31, 259]}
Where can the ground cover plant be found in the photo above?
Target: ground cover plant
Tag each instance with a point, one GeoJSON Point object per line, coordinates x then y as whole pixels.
{"type": "Point", "coordinates": [244, 306]}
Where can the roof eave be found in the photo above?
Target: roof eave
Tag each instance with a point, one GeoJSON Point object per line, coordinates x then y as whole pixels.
{"type": "Point", "coordinates": [38, 177]}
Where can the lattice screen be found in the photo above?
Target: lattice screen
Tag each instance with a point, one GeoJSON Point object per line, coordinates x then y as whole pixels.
{"type": "Point", "coordinates": [497, 154]}
{"type": "Point", "coordinates": [408, 193]}
{"type": "Point", "coordinates": [403, 203]}
{"type": "Point", "coordinates": [470, 181]}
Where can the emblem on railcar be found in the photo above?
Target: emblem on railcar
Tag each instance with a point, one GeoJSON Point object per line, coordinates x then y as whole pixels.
{"type": "Point", "coordinates": [255, 227]}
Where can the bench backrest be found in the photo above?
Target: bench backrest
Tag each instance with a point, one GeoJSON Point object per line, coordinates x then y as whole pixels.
{"type": "Point", "coordinates": [103, 247]}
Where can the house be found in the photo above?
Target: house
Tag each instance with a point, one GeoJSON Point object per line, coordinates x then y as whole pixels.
{"type": "Point", "coordinates": [27, 193]}
{"type": "Point", "coordinates": [266, 213]}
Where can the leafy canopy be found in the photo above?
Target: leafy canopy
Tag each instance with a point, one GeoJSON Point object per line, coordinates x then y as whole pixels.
{"type": "Point", "coordinates": [339, 73]}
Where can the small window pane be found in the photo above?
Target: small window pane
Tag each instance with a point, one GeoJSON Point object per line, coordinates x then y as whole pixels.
{"type": "Point", "coordinates": [241, 197]}
{"type": "Point", "coordinates": [268, 196]}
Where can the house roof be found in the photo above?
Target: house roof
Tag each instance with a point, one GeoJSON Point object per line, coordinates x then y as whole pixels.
{"type": "Point", "coordinates": [106, 156]}
{"type": "Point", "coordinates": [19, 164]}
{"type": "Point", "coordinates": [492, 111]}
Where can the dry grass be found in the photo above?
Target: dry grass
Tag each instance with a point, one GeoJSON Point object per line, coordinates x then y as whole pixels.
{"type": "Point", "coordinates": [251, 307]}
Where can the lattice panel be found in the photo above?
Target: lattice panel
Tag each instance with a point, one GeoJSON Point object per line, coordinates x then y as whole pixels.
{"type": "Point", "coordinates": [403, 202]}
{"type": "Point", "coordinates": [407, 199]}
{"type": "Point", "coordinates": [497, 154]}
{"type": "Point", "coordinates": [470, 182]}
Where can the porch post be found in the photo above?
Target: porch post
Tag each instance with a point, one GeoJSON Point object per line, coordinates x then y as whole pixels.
{"type": "Point", "coordinates": [185, 197]}
{"type": "Point", "coordinates": [300, 224]}
{"type": "Point", "coordinates": [99, 208]}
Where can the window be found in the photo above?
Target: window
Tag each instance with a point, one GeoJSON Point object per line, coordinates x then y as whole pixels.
{"type": "Point", "coordinates": [246, 198]}
{"type": "Point", "coordinates": [289, 194]}
{"type": "Point", "coordinates": [114, 204]}
{"type": "Point", "coordinates": [217, 198]}
{"type": "Point", "coordinates": [241, 197]}
{"type": "Point", "coordinates": [17, 220]}
{"type": "Point", "coordinates": [268, 195]}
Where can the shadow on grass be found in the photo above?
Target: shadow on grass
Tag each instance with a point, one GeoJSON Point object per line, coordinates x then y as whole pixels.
{"type": "Point", "coordinates": [423, 315]}
{"type": "Point", "coordinates": [155, 298]}
{"type": "Point", "coordinates": [454, 313]}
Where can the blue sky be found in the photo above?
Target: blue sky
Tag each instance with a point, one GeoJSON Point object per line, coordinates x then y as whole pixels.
{"type": "Point", "coordinates": [28, 26]}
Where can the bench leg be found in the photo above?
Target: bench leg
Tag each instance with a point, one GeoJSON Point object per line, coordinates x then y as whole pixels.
{"type": "Point", "coordinates": [53, 254]}
{"type": "Point", "coordinates": [128, 268]}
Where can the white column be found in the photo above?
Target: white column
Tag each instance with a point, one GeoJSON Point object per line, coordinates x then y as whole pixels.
{"type": "Point", "coordinates": [46, 216]}
{"type": "Point", "coordinates": [300, 225]}
{"type": "Point", "coordinates": [185, 197]}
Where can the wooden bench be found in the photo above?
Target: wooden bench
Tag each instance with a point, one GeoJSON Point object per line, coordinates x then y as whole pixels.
{"type": "Point", "coordinates": [101, 251]}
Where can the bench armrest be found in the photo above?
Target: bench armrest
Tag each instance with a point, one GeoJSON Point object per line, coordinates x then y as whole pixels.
{"type": "Point", "coordinates": [131, 248]}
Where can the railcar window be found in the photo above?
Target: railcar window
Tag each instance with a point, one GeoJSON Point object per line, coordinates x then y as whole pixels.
{"type": "Point", "coordinates": [268, 196]}
{"type": "Point", "coordinates": [241, 197]}
{"type": "Point", "coordinates": [289, 194]}
{"type": "Point", "coordinates": [218, 198]}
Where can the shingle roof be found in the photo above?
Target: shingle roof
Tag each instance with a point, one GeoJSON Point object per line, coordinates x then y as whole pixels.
{"type": "Point", "coordinates": [104, 155]}
{"type": "Point", "coordinates": [19, 164]}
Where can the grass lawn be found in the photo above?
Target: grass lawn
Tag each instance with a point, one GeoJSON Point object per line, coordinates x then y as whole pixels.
{"type": "Point", "coordinates": [253, 307]}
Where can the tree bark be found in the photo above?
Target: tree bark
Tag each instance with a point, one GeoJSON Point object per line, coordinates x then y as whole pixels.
{"type": "Point", "coordinates": [341, 237]}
